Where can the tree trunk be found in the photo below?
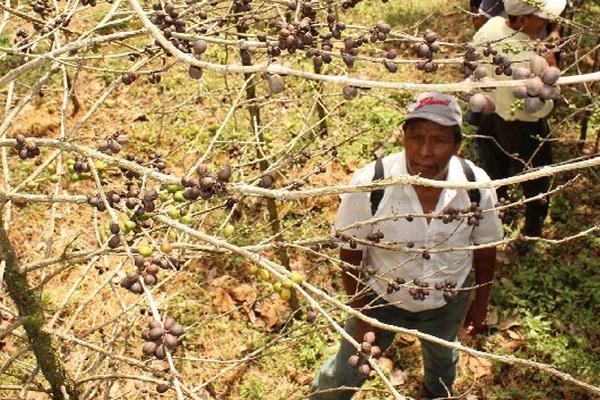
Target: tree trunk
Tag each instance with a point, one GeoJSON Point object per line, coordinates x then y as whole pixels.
{"type": "Point", "coordinates": [44, 347]}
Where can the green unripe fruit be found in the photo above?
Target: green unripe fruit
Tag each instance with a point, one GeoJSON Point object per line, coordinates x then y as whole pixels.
{"type": "Point", "coordinates": [174, 213]}
{"type": "Point", "coordinates": [54, 178]}
{"type": "Point", "coordinates": [164, 196]}
{"type": "Point", "coordinates": [186, 220]}
{"type": "Point", "coordinates": [173, 188]}
{"type": "Point", "coordinates": [165, 247]}
{"type": "Point", "coordinates": [100, 165]}
{"type": "Point", "coordinates": [178, 196]}
{"type": "Point", "coordinates": [70, 162]}
{"type": "Point", "coordinates": [277, 286]}
{"type": "Point", "coordinates": [228, 230]}
{"type": "Point", "coordinates": [128, 226]}
{"type": "Point", "coordinates": [145, 251]}
{"type": "Point", "coordinates": [297, 277]}
{"type": "Point", "coordinates": [264, 274]}
{"type": "Point", "coordinates": [31, 185]}
{"type": "Point", "coordinates": [74, 176]}
{"type": "Point", "coordinates": [87, 175]}
{"type": "Point", "coordinates": [145, 216]}
{"type": "Point", "coordinates": [253, 269]}
{"type": "Point", "coordinates": [52, 168]}
{"type": "Point", "coordinates": [285, 294]}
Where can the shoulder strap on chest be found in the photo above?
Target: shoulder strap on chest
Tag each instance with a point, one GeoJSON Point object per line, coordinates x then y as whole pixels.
{"type": "Point", "coordinates": [377, 195]}
{"type": "Point", "coordinates": [474, 194]}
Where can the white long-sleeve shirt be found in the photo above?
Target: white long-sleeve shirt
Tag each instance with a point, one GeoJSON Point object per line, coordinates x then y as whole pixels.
{"type": "Point", "coordinates": [402, 199]}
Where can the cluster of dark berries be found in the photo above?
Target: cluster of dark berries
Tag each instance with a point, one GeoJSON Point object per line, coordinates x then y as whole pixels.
{"type": "Point", "coordinates": [128, 78]}
{"type": "Point", "coordinates": [367, 348]}
{"type": "Point", "coordinates": [346, 4]}
{"type": "Point", "coordinates": [540, 85]}
{"type": "Point", "coordinates": [375, 236]}
{"type": "Point", "coordinates": [160, 337]}
{"type": "Point", "coordinates": [379, 32]}
{"type": "Point", "coordinates": [295, 36]}
{"type": "Point", "coordinates": [115, 239]}
{"type": "Point", "coordinates": [503, 65]}
{"type": "Point", "coordinates": [154, 78]}
{"type": "Point", "coordinates": [156, 161]}
{"type": "Point", "coordinates": [168, 19]}
{"type": "Point", "coordinates": [421, 291]}
{"type": "Point", "coordinates": [235, 151]}
{"type": "Point", "coordinates": [470, 66]}
{"type": "Point", "coordinates": [208, 185]}
{"type": "Point", "coordinates": [26, 149]}
{"type": "Point", "coordinates": [319, 247]}
{"type": "Point", "coordinates": [426, 49]}
{"type": "Point", "coordinates": [81, 164]}
{"type": "Point", "coordinates": [147, 268]}
{"type": "Point", "coordinates": [91, 3]}
{"type": "Point", "coordinates": [303, 157]}
{"type": "Point", "coordinates": [112, 197]}
{"type": "Point", "coordinates": [450, 214]}
{"type": "Point", "coordinates": [350, 50]}
{"type": "Point", "coordinates": [449, 288]}
{"type": "Point", "coordinates": [21, 38]}
{"type": "Point", "coordinates": [335, 27]}
{"type": "Point", "coordinates": [395, 285]}
{"type": "Point", "coordinates": [113, 144]}
{"type": "Point", "coordinates": [54, 23]}
{"type": "Point", "coordinates": [388, 63]}
{"type": "Point", "coordinates": [42, 7]}
{"type": "Point", "coordinates": [501, 203]}
{"type": "Point", "coordinates": [477, 214]}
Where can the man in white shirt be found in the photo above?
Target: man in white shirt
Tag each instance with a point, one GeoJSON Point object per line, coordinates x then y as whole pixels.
{"type": "Point", "coordinates": [512, 131]}
{"type": "Point", "coordinates": [419, 249]}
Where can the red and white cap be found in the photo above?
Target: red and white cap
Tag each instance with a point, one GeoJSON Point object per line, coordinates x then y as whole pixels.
{"type": "Point", "coordinates": [437, 107]}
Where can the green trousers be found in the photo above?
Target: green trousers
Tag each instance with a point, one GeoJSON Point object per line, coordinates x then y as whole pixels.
{"type": "Point", "coordinates": [439, 362]}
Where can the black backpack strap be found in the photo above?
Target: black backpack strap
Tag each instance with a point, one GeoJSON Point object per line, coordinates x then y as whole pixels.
{"type": "Point", "coordinates": [474, 194]}
{"type": "Point", "coordinates": [377, 195]}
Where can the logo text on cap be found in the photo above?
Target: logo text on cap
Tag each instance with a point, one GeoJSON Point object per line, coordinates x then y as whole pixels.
{"type": "Point", "coordinates": [429, 101]}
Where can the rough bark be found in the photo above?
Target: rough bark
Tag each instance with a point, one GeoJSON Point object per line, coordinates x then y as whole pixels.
{"type": "Point", "coordinates": [44, 347]}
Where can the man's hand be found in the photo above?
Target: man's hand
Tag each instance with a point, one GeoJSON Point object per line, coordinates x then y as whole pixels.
{"type": "Point", "coordinates": [475, 319]}
{"type": "Point", "coordinates": [484, 263]}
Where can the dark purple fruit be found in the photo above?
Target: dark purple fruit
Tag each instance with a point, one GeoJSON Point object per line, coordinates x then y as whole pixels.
{"type": "Point", "coordinates": [162, 388]}
{"type": "Point", "coordinates": [195, 72]}
{"type": "Point", "coordinates": [199, 47]}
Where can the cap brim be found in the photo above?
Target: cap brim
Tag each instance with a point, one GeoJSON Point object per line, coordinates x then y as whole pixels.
{"type": "Point", "coordinates": [552, 10]}
{"type": "Point", "coordinates": [432, 117]}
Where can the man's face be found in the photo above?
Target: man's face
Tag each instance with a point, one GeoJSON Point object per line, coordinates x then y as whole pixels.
{"type": "Point", "coordinates": [428, 147]}
{"type": "Point", "coordinates": [532, 25]}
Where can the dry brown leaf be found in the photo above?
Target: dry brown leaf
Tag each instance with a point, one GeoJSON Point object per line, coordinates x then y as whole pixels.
{"type": "Point", "coordinates": [223, 300]}
{"type": "Point", "coordinates": [297, 376]}
{"type": "Point", "coordinates": [398, 377]}
{"type": "Point", "coordinates": [270, 310]}
{"type": "Point", "coordinates": [514, 335]}
{"type": "Point", "coordinates": [224, 281]}
{"type": "Point", "coordinates": [480, 367]}
{"type": "Point", "coordinates": [244, 293]}
{"type": "Point", "coordinates": [509, 323]}
{"type": "Point", "coordinates": [406, 339]}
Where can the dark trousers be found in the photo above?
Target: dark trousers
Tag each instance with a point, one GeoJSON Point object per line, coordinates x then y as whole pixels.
{"type": "Point", "coordinates": [524, 141]}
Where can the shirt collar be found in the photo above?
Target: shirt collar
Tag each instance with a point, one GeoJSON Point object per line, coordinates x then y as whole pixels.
{"type": "Point", "coordinates": [455, 174]}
